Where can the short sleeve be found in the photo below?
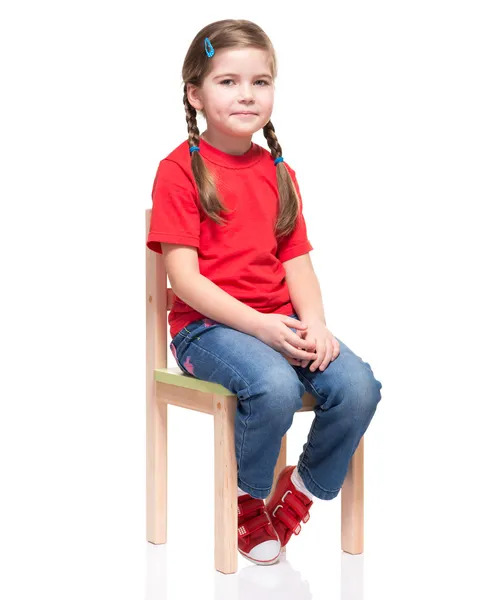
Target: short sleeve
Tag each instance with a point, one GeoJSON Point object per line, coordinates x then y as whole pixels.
{"type": "Point", "coordinates": [295, 243]}
{"type": "Point", "coordinates": [175, 214]}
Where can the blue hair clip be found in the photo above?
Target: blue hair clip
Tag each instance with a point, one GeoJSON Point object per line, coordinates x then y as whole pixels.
{"type": "Point", "coordinates": [209, 48]}
{"type": "Point", "coordinates": [194, 149]}
{"type": "Point", "coordinates": [278, 160]}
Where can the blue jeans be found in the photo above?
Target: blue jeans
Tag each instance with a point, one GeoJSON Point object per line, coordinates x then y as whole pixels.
{"type": "Point", "coordinates": [269, 391]}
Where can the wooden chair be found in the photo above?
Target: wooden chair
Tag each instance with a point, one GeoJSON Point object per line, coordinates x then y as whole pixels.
{"type": "Point", "coordinates": [171, 386]}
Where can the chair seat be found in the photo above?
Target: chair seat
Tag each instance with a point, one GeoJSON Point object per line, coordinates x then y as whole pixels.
{"type": "Point", "coordinates": [175, 376]}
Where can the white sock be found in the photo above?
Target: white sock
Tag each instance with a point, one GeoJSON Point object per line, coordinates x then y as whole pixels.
{"type": "Point", "coordinates": [298, 483]}
{"type": "Point", "coordinates": [240, 492]}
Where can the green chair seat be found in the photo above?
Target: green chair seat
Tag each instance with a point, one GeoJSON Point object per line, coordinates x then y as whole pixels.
{"type": "Point", "coordinates": [175, 376]}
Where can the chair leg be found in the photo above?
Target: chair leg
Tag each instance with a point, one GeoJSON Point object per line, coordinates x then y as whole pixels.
{"type": "Point", "coordinates": [156, 470]}
{"type": "Point", "coordinates": [225, 473]}
{"type": "Point", "coordinates": [280, 465]}
{"type": "Point", "coordinates": [352, 504]}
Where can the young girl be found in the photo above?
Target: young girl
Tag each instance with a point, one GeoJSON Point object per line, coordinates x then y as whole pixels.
{"type": "Point", "coordinates": [248, 310]}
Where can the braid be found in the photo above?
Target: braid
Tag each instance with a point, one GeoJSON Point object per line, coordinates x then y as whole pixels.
{"type": "Point", "coordinates": [270, 135]}
{"type": "Point", "coordinates": [209, 197]}
{"type": "Point", "coordinates": [288, 197]}
{"type": "Point", "coordinates": [191, 121]}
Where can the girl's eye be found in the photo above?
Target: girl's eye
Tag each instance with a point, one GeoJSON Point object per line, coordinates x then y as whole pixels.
{"type": "Point", "coordinates": [259, 80]}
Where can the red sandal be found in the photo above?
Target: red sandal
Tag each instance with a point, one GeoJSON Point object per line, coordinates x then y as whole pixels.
{"type": "Point", "coordinates": [287, 507]}
{"type": "Point", "coordinates": [257, 539]}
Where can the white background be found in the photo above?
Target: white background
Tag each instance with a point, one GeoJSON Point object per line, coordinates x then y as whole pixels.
{"type": "Point", "coordinates": [381, 109]}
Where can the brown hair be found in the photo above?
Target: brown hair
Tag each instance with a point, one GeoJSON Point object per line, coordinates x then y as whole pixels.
{"type": "Point", "coordinates": [232, 33]}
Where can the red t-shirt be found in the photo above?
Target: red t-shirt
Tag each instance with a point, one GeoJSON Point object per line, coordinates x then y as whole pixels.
{"type": "Point", "coordinates": [242, 256]}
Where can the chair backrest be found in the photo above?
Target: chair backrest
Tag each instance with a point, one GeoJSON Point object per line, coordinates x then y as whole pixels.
{"type": "Point", "coordinates": [159, 300]}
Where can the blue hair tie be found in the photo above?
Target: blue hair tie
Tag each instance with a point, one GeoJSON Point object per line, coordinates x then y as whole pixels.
{"type": "Point", "coordinates": [209, 48]}
{"type": "Point", "coordinates": [193, 149]}
{"type": "Point", "coordinates": [278, 160]}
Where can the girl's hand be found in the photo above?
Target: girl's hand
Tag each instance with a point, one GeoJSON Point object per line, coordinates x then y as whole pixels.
{"type": "Point", "coordinates": [327, 347]}
{"type": "Point", "coordinates": [294, 361]}
{"type": "Point", "coordinates": [278, 331]}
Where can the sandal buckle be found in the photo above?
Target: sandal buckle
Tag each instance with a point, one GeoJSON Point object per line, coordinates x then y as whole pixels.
{"type": "Point", "coordinates": [285, 494]}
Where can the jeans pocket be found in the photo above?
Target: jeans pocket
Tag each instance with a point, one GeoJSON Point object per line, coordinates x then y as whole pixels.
{"type": "Point", "coordinates": [177, 349]}
{"type": "Point", "coordinates": [194, 330]}
{"type": "Point", "coordinates": [182, 341]}
{"type": "Point", "coordinates": [177, 346]}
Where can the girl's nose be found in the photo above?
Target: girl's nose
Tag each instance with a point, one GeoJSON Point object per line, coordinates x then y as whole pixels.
{"type": "Point", "coordinates": [245, 92]}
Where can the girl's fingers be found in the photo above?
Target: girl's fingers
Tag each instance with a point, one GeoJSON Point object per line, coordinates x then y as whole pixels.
{"type": "Point", "coordinates": [294, 352]}
{"type": "Point", "coordinates": [327, 358]}
{"type": "Point", "coordinates": [299, 356]}
{"type": "Point", "coordinates": [294, 361]}
{"type": "Point", "coordinates": [298, 342]}
{"type": "Point", "coordinates": [319, 358]}
{"type": "Point", "coordinates": [302, 363]}
{"type": "Point", "coordinates": [295, 324]}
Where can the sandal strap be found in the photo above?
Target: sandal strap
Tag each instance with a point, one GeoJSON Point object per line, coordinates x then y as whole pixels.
{"type": "Point", "coordinates": [291, 518]}
{"type": "Point", "coordinates": [248, 506]}
{"type": "Point", "coordinates": [253, 524]}
{"type": "Point", "coordinates": [300, 509]}
{"type": "Point", "coordinates": [287, 519]}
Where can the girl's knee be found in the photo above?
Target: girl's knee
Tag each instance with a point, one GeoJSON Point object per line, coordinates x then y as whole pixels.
{"type": "Point", "coordinates": [357, 391]}
{"type": "Point", "coordinates": [280, 394]}
{"type": "Point", "coordinates": [363, 391]}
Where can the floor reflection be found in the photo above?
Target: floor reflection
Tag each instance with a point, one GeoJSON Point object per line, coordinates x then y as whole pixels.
{"type": "Point", "coordinates": [276, 582]}
{"type": "Point", "coordinates": [280, 581]}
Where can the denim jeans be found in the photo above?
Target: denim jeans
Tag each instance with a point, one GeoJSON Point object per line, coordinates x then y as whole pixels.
{"type": "Point", "coordinates": [269, 391]}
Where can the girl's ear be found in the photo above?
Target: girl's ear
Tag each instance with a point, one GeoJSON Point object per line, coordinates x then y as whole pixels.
{"type": "Point", "coordinates": [193, 95]}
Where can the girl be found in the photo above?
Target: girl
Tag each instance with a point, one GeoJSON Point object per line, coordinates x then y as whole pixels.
{"type": "Point", "coordinates": [248, 309]}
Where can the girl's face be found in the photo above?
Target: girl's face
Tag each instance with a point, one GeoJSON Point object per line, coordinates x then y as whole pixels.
{"type": "Point", "coordinates": [240, 81]}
